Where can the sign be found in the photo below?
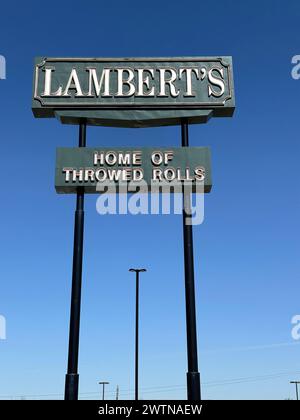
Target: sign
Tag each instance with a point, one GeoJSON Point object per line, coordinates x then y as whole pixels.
{"type": "Point", "coordinates": [133, 92]}
{"type": "Point", "coordinates": [85, 168]}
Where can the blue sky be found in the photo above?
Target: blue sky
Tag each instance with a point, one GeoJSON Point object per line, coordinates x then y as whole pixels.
{"type": "Point", "coordinates": [246, 252]}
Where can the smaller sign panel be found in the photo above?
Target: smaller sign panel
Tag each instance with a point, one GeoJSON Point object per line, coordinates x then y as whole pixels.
{"type": "Point", "coordinates": [146, 168]}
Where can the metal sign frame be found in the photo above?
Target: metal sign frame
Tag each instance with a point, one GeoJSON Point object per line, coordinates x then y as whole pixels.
{"type": "Point", "coordinates": [137, 110]}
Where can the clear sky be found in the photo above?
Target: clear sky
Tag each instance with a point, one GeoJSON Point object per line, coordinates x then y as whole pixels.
{"type": "Point", "coordinates": [246, 251]}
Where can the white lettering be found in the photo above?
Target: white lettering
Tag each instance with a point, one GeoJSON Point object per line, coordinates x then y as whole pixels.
{"type": "Point", "coordinates": [48, 82]}
{"type": "Point", "coordinates": [216, 81]}
{"type": "Point", "coordinates": [164, 82]}
{"type": "Point", "coordinates": [144, 81]}
{"type": "Point", "coordinates": [128, 82]}
{"type": "Point", "coordinates": [189, 73]}
{"type": "Point", "coordinates": [93, 81]}
{"type": "Point", "coordinates": [73, 83]}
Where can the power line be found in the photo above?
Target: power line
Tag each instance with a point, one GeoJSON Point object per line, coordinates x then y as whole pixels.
{"type": "Point", "coordinates": [166, 388]}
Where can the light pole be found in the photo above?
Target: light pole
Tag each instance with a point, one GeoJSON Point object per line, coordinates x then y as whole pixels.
{"type": "Point", "coordinates": [137, 272]}
{"type": "Point", "coordinates": [72, 376]}
{"type": "Point", "coordinates": [103, 387]}
{"type": "Point", "coordinates": [296, 383]}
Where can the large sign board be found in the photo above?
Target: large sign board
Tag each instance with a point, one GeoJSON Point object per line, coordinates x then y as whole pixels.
{"type": "Point", "coordinates": [86, 168]}
{"type": "Point", "coordinates": [133, 92]}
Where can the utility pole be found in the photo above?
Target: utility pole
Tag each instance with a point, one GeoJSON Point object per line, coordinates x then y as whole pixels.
{"type": "Point", "coordinates": [103, 387]}
{"type": "Point", "coordinates": [117, 392]}
{"type": "Point", "coordinates": [296, 383]}
{"type": "Point", "coordinates": [137, 272]}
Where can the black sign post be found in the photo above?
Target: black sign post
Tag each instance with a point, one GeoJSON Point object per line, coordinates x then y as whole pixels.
{"type": "Point", "coordinates": [72, 377]}
{"type": "Point", "coordinates": [193, 376]}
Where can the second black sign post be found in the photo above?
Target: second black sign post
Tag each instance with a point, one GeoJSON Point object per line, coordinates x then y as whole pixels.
{"type": "Point", "coordinates": [193, 376]}
{"type": "Point", "coordinates": [72, 377]}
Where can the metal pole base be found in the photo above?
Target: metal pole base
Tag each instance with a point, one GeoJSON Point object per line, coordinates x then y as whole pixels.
{"type": "Point", "coordinates": [193, 386]}
{"type": "Point", "coordinates": [71, 389]}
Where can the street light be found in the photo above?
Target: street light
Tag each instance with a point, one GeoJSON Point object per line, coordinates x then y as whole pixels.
{"type": "Point", "coordinates": [103, 387]}
{"type": "Point", "coordinates": [137, 272]}
{"type": "Point", "coordinates": [296, 383]}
